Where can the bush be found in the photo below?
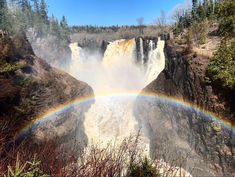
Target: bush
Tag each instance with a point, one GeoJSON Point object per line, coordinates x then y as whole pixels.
{"type": "Point", "coordinates": [226, 17]}
{"type": "Point", "coordinates": [24, 81]}
{"type": "Point", "coordinates": [7, 68]}
{"type": "Point", "coordinates": [28, 169]}
{"type": "Point", "coordinates": [144, 169]}
{"type": "Point", "coordinates": [125, 159]}
{"type": "Point", "coordinates": [199, 30]}
{"type": "Point", "coordinates": [221, 69]}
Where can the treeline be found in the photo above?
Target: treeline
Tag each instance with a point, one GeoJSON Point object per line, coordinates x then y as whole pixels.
{"type": "Point", "coordinates": [218, 11]}
{"type": "Point", "coordinates": [102, 29]}
{"type": "Point", "coordinates": [23, 15]}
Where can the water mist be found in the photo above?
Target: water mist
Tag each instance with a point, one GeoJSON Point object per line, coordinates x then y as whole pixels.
{"type": "Point", "coordinates": [111, 118]}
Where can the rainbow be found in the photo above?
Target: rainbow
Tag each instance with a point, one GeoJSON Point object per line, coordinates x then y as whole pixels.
{"type": "Point", "coordinates": [49, 114]}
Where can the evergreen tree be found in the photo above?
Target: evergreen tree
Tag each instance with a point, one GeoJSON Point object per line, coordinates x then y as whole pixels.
{"type": "Point", "coordinates": [54, 26]}
{"type": "Point", "coordinates": [209, 8]}
{"type": "Point", "coordinates": [36, 6]}
{"type": "Point", "coordinates": [25, 5]}
{"type": "Point", "coordinates": [221, 70]}
{"type": "Point", "coordinates": [26, 14]}
{"type": "Point", "coordinates": [194, 9]}
{"type": "Point", "coordinates": [4, 22]}
{"type": "Point", "coordinates": [37, 20]}
{"type": "Point", "coordinates": [63, 23]}
{"type": "Point", "coordinates": [200, 13]}
{"type": "Point", "coordinates": [194, 4]}
{"type": "Point", "coordinates": [226, 17]}
{"type": "Point", "coordinates": [43, 12]}
{"type": "Point", "coordinates": [64, 31]}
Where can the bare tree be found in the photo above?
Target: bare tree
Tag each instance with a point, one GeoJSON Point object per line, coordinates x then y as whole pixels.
{"type": "Point", "coordinates": [140, 22]}
{"type": "Point", "coordinates": [161, 21]}
{"type": "Point", "coordinates": [177, 13]}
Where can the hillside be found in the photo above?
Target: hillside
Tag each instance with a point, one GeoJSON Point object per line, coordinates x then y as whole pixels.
{"type": "Point", "coordinates": [29, 88]}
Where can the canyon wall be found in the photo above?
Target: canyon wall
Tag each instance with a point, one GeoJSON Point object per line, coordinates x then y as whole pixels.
{"type": "Point", "coordinates": [184, 79]}
{"type": "Point", "coordinates": [29, 88]}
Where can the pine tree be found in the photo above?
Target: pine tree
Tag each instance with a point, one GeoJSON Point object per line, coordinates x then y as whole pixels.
{"type": "Point", "coordinates": [4, 21]}
{"type": "Point", "coordinates": [194, 9]}
{"type": "Point", "coordinates": [226, 16]}
{"type": "Point", "coordinates": [63, 23]}
{"type": "Point", "coordinates": [25, 5]}
{"type": "Point", "coordinates": [36, 6]}
{"type": "Point", "coordinates": [64, 31]}
{"type": "Point", "coordinates": [43, 12]}
{"type": "Point", "coordinates": [54, 26]}
{"type": "Point", "coordinates": [37, 20]}
{"type": "Point", "coordinates": [27, 13]}
{"type": "Point", "coordinates": [195, 4]}
{"type": "Point", "coordinates": [201, 12]}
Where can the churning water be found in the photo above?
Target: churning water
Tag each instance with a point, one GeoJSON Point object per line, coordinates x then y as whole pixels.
{"type": "Point", "coordinates": [111, 119]}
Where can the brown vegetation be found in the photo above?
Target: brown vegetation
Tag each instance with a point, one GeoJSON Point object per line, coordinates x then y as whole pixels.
{"type": "Point", "coordinates": [123, 160]}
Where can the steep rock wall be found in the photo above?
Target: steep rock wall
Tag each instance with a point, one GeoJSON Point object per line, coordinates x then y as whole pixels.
{"type": "Point", "coordinates": [29, 87]}
{"type": "Point", "coordinates": [184, 78]}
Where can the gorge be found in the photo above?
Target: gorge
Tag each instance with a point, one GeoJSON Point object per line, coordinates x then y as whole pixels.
{"type": "Point", "coordinates": [130, 98]}
{"type": "Point", "coordinates": [142, 87]}
{"type": "Point", "coordinates": [117, 88]}
{"type": "Point", "coordinates": [119, 77]}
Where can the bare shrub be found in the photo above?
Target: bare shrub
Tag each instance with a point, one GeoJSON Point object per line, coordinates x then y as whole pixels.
{"type": "Point", "coordinates": [125, 159]}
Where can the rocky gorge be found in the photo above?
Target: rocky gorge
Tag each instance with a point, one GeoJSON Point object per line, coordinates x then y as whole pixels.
{"type": "Point", "coordinates": [176, 130]}
{"type": "Point", "coordinates": [30, 87]}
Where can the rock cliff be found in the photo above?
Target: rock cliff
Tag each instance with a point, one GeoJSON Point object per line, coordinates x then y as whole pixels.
{"type": "Point", "coordinates": [174, 128]}
{"type": "Point", "coordinates": [30, 87]}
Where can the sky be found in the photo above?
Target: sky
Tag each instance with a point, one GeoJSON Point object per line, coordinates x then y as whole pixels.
{"type": "Point", "coordinates": [110, 12]}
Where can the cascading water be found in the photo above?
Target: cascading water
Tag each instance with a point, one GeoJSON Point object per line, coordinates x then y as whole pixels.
{"type": "Point", "coordinates": [156, 61]}
{"type": "Point", "coordinates": [120, 52]}
{"type": "Point", "coordinates": [111, 118]}
{"type": "Point", "coordinates": [77, 52]}
{"type": "Point", "coordinates": [141, 51]}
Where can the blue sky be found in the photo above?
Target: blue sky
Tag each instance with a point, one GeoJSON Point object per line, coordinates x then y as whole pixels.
{"type": "Point", "coordinates": [110, 12]}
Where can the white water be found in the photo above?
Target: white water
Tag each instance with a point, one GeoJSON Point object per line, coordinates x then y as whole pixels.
{"type": "Point", "coordinates": [156, 62]}
{"type": "Point", "coordinates": [111, 118]}
{"type": "Point", "coordinates": [141, 51]}
{"type": "Point", "coordinates": [77, 52]}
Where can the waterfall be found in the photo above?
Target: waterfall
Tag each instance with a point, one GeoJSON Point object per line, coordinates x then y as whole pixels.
{"type": "Point", "coordinates": [78, 57]}
{"type": "Point", "coordinates": [120, 51]}
{"type": "Point", "coordinates": [77, 52]}
{"type": "Point", "coordinates": [151, 45]}
{"type": "Point", "coordinates": [156, 61]}
{"type": "Point", "coordinates": [111, 118]}
{"type": "Point", "coordinates": [141, 51]}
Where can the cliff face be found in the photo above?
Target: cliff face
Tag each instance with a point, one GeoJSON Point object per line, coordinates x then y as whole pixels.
{"type": "Point", "coordinates": [97, 47]}
{"type": "Point", "coordinates": [184, 78]}
{"type": "Point", "coordinates": [29, 87]}
{"type": "Point", "coordinates": [144, 43]}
